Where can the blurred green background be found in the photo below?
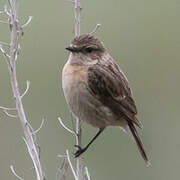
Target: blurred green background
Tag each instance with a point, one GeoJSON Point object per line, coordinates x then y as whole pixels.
{"type": "Point", "coordinates": [144, 37]}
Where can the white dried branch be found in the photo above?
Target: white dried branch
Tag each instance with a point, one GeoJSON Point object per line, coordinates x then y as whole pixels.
{"type": "Point", "coordinates": [15, 34]}
{"type": "Point", "coordinates": [6, 10]}
{"type": "Point", "coordinates": [71, 1]}
{"type": "Point", "coordinates": [31, 152]}
{"type": "Point", "coordinates": [62, 156]}
{"type": "Point", "coordinates": [4, 52]}
{"type": "Point", "coordinates": [14, 172]}
{"type": "Point", "coordinates": [87, 173]}
{"type": "Point", "coordinates": [71, 166]}
{"type": "Point", "coordinates": [8, 114]}
{"type": "Point", "coordinates": [77, 13]}
{"type": "Point", "coordinates": [27, 88]}
{"type": "Point", "coordinates": [36, 131]}
{"type": "Point", "coordinates": [4, 44]}
{"type": "Point", "coordinates": [6, 108]}
{"type": "Point", "coordinates": [27, 22]}
{"type": "Point", "coordinates": [95, 29]}
{"type": "Point", "coordinates": [65, 127]}
{"type": "Point", "coordinates": [6, 56]}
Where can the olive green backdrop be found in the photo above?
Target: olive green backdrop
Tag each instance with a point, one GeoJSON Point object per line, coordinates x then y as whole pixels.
{"type": "Point", "coordinates": [143, 36]}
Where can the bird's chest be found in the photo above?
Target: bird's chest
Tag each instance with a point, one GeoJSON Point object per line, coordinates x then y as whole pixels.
{"type": "Point", "coordinates": [73, 76]}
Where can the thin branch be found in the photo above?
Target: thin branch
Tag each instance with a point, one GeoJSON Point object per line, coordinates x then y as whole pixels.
{"type": "Point", "coordinates": [8, 114]}
{"type": "Point", "coordinates": [36, 131]}
{"type": "Point", "coordinates": [72, 1]}
{"type": "Point", "coordinates": [6, 10]}
{"type": "Point", "coordinates": [27, 22]}
{"type": "Point", "coordinates": [6, 57]}
{"type": "Point", "coordinates": [65, 127]}
{"type": "Point", "coordinates": [15, 34]}
{"type": "Point", "coordinates": [6, 108]}
{"type": "Point", "coordinates": [71, 166]}
{"type": "Point", "coordinates": [4, 44]}
{"type": "Point", "coordinates": [27, 88]}
{"type": "Point", "coordinates": [95, 29]}
{"type": "Point", "coordinates": [4, 52]}
{"type": "Point", "coordinates": [87, 173]}
{"type": "Point", "coordinates": [77, 13]}
{"type": "Point", "coordinates": [14, 172]}
{"type": "Point", "coordinates": [62, 156]}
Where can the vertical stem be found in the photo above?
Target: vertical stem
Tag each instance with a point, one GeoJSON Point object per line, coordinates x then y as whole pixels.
{"type": "Point", "coordinates": [15, 33]}
{"type": "Point", "coordinates": [79, 166]}
{"type": "Point", "coordinates": [77, 13]}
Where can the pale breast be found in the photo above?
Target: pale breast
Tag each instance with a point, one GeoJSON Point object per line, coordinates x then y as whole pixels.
{"type": "Point", "coordinates": [72, 76]}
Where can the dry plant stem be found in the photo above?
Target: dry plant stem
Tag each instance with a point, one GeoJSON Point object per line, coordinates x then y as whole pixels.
{"type": "Point", "coordinates": [77, 13]}
{"type": "Point", "coordinates": [79, 166]}
{"type": "Point", "coordinates": [15, 33]}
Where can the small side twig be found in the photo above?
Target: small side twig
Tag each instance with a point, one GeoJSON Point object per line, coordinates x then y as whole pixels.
{"type": "Point", "coordinates": [14, 172]}
{"type": "Point", "coordinates": [36, 131]}
{"type": "Point", "coordinates": [71, 166]}
{"type": "Point", "coordinates": [27, 88]}
{"type": "Point", "coordinates": [95, 29]}
{"type": "Point", "coordinates": [65, 127]}
{"type": "Point", "coordinates": [27, 22]}
{"type": "Point", "coordinates": [87, 173]}
{"type": "Point", "coordinates": [8, 114]}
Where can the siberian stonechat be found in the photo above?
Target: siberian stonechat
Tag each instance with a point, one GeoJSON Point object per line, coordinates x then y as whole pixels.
{"type": "Point", "coordinates": [97, 91]}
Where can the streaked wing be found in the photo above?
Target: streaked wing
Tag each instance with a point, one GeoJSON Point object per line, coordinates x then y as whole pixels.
{"type": "Point", "coordinates": [108, 84]}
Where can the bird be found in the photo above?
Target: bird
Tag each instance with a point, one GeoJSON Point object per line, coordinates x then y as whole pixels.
{"type": "Point", "coordinates": [97, 91]}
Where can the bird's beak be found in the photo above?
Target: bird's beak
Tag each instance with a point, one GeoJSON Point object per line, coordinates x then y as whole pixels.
{"type": "Point", "coordinates": [71, 49]}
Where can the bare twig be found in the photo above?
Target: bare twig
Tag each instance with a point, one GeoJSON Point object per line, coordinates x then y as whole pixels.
{"type": "Point", "coordinates": [71, 166]}
{"type": "Point", "coordinates": [36, 131]}
{"type": "Point", "coordinates": [8, 114]}
{"type": "Point", "coordinates": [4, 52]}
{"type": "Point", "coordinates": [4, 44]}
{"type": "Point", "coordinates": [6, 108]}
{"type": "Point", "coordinates": [87, 173]}
{"type": "Point", "coordinates": [13, 171]}
{"type": "Point", "coordinates": [6, 10]}
{"type": "Point", "coordinates": [15, 33]}
{"type": "Point", "coordinates": [72, 1]}
{"type": "Point", "coordinates": [27, 88]}
{"type": "Point", "coordinates": [27, 22]}
{"type": "Point", "coordinates": [95, 29]}
{"type": "Point", "coordinates": [65, 127]}
{"type": "Point", "coordinates": [62, 156]}
{"type": "Point", "coordinates": [77, 13]}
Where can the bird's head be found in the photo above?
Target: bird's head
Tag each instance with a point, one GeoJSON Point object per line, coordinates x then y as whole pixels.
{"type": "Point", "coordinates": [86, 47]}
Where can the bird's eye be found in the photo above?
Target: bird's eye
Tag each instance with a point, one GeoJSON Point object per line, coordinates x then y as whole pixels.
{"type": "Point", "coordinates": [88, 50]}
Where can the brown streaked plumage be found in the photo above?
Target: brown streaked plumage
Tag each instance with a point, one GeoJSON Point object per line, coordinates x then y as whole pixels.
{"type": "Point", "coordinates": [97, 91]}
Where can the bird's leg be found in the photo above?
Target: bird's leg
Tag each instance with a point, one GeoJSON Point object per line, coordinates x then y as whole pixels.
{"type": "Point", "coordinates": [82, 150]}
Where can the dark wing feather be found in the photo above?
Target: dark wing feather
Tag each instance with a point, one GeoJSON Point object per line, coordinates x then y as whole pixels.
{"type": "Point", "coordinates": [108, 84]}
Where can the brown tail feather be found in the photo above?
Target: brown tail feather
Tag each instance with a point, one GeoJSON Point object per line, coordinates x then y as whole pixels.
{"type": "Point", "coordinates": [138, 142]}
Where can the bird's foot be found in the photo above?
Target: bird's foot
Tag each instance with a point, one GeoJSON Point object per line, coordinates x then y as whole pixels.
{"type": "Point", "coordinates": [79, 151]}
